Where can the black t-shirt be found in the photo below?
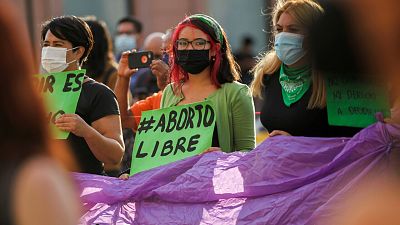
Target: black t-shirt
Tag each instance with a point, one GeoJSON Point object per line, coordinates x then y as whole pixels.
{"type": "Point", "coordinates": [95, 102]}
{"type": "Point", "coordinates": [296, 119]}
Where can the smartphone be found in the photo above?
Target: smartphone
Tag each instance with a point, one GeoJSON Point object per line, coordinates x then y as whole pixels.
{"type": "Point", "coordinates": [140, 59]}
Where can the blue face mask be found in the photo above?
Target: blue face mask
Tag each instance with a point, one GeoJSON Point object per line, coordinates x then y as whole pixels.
{"type": "Point", "coordinates": [124, 42]}
{"type": "Point", "coordinates": [289, 47]}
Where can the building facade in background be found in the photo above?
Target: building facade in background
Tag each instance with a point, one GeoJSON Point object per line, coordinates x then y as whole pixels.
{"type": "Point", "coordinates": [239, 18]}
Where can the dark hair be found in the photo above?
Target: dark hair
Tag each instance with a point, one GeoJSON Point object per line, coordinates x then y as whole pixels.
{"type": "Point", "coordinates": [331, 36]}
{"type": "Point", "coordinates": [101, 53]}
{"type": "Point", "coordinates": [23, 131]}
{"type": "Point", "coordinates": [72, 29]}
{"type": "Point", "coordinates": [136, 23]}
{"type": "Point", "coordinates": [224, 68]}
{"type": "Point", "coordinates": [247, 40]}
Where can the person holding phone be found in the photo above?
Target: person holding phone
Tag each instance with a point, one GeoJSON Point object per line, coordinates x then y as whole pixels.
{"type": "Point", "coordinates": [293, 91]}
{"type": "Point", "coordinates": [130, 117]}
{"type": "Point", "coordinates": [144, 83]}
{"type": "Point", "coordinates": [96, 136]}
{"type": "Point", "coordinates": [203, 68]}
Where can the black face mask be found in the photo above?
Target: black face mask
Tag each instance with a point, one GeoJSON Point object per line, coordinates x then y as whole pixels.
{"type": "Point", "coordinates": [193, 61]}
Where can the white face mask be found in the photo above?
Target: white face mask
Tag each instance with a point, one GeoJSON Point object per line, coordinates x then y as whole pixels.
{"type": "Point", "coordinates": [54, 59]}
{"type": "Point", "coordinates": [124, 42]}
{"type": "Point", "coordinates": [289, 47]}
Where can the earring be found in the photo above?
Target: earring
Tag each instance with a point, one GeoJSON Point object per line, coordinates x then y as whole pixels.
{"type": "Point", "coordinates": [213, 58]}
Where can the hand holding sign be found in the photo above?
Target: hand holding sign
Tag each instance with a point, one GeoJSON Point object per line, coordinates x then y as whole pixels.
{"type": "Point", "coordinates": [61, 92]}
{"type": "Point", "coordinates": [72, 123]}
{"type": "Point", "coordinates": [278, 132]}
{"type": "Point", "coordinates": [212, 149]}
{"type": "Point", "coordinates": [354, 103]}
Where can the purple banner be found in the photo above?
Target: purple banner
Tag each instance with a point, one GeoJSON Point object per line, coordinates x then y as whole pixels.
{"type": "Point", "coordinates": [285, 180]}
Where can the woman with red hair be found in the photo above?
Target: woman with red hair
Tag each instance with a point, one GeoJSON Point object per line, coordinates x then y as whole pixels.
{"type": "Point", "coordinates": [202, 67]}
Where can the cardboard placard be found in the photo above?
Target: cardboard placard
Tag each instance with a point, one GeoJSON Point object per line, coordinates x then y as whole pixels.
{"type": "Point", "coordinates": [171, 134]}
{"type": "Point", "coordinates": [60, 92]}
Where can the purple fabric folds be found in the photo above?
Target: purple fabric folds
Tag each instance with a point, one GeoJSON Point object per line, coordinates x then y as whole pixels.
{"type": "Point", "coordinates": [285, 180]}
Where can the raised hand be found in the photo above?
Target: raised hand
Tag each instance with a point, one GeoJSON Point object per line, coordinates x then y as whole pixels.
{"type": "Point", "coordinates": [123, 66]}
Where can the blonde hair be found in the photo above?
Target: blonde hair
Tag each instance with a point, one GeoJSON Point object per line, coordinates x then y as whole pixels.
{"type": "Point", "coordinates": [305, 12]}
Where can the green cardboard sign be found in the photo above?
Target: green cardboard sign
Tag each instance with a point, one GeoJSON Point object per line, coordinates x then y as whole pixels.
{"type": "Point", "coordinates": [171, 134]}
{"type": "Point", "coordinates": [354, 104]}
{"type": "Point", "coordinates": [60, 92]}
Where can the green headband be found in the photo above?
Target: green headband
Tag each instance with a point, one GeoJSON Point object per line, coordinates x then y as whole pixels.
{"type": "Point", "coordinates": [210, 22]}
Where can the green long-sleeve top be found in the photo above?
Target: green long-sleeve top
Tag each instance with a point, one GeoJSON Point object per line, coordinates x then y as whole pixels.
{"type": "Point", "coordinates": [234, 114]}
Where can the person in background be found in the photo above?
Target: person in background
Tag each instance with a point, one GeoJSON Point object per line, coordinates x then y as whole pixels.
{"type": "Point", "coordinates": [129, 35]}
{"type": "Point", "coordinates": [246, 59]}
{"type": "Point", "coordinates": [347, 26]}
{"type": "Point", "coordinates": [144, 83]}
{"type": "Point", "coordinates": [96, 136]}
{"type": "Point", "coordinates": [34, 189]}
{"type": "Point", "coordinates": [160, 67]}
{"type": "Point", "coordinates": [292, 90]}
{"type": "Point", "coordinates": [202, 67]}
{"type": "Point", "coordinates": [101, 65]}
{"type": "Point", "coordinates": [131, 117]}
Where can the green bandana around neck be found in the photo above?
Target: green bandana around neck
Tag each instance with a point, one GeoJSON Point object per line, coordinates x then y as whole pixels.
{"type": "Point", "coordinates": [295, 83]}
